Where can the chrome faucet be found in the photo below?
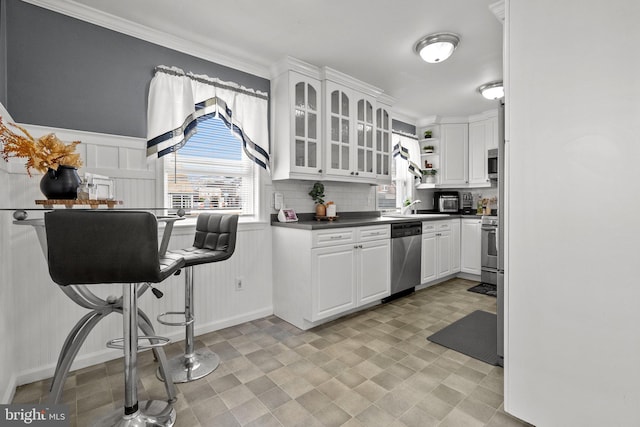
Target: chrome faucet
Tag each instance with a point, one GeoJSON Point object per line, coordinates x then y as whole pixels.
{"type": "Point", "coordinates": [404, 209]}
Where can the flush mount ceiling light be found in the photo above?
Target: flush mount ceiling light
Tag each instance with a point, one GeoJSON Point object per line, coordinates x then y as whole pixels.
{"type": "Point", "coordinates": [493, 90]}
{"type": "Point", "coordinates": [437, 47]}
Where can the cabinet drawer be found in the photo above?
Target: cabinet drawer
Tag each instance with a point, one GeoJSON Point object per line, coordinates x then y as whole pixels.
{"type": "Point", "coordinates": [374, 232]}
{"type": "Point", "coordinates": [443, 225]}
{"type": "Point", "coordinates": [323, 238]}
{"type": "Point", "coordinates": [428, 227]}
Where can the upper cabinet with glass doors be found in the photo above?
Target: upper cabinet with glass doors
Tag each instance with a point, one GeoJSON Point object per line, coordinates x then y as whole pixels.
{"type": "Point", "coordinates": [351, 129]}
{"type": "Point", "coordinates": [297, 125]}
{"type": "Point", "coordinates": [383, 140]}
{"type": "Point", "coordinates": [327, 125]}
{"type": "Point", "coordinates": [339, 124]}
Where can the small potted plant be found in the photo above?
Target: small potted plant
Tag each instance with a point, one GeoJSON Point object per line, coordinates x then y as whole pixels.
{"type": "Point", "coordinates": [428, 149]}
{"type": "Point", "coordinates": [317, 194]}
{"type": "Point", "coordinates": [48, 155]}
{"type": "Point", "coordinates": [428, 134]}
{"type": "Point", "coordinates": [429, 175]}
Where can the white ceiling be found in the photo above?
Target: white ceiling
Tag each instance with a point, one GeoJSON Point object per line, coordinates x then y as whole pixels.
{"type": "Point", "coordinates": [371, 40]}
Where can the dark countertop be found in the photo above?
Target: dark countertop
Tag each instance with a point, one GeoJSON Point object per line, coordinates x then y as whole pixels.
{"type": "Point", "coordinates": [307, 221]}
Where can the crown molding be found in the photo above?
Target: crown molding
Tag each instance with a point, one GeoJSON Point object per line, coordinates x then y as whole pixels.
{"type": "Point", "coordinates": [339, 77]}
{"type": "Point", "coordinates": [112, 22]}
{"type": "Point", "coordinates": [289, 63]}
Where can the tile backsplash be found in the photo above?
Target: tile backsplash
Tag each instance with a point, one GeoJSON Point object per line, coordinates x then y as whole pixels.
{"type": "Point", "coordinates": [348, 197]}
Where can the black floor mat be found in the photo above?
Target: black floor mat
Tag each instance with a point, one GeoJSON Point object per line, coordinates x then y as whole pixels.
{"type": "Point", "coordinates": [475, 335]}
{"type": "Point", "coordinates": [485, 289]}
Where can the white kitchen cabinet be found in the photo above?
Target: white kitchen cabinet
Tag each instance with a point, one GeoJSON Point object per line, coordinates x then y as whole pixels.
{"type": "Point", "coordinates": [383, 141]}
{"type": "Point", "coordinates": [373, 271]}
{"type": "Point", "coordinates": [339, 129]}
{"type": "Point", "coordinates": [471, 234]}
{"type": "Point", "coordinates": [454, 157]}
{"type": "Point", "coordinates": [437, 250]}
{"type": "Point", "coordinates": [478, 153]}
{"type": "Point", "coordinates": [328, 125]}
{"type": "Point", "coordinates": [483, 136]}
{"type": "Point", "coordinates": [297, 113]}
{"type": "Point", "coordinates": [352, 129]}
{"type": "Point", "coordinates": [333, 271]}
{"type": "Point", "coordinates": [455, 245]}
{"type": "Point", "coordinates": [492, 132]}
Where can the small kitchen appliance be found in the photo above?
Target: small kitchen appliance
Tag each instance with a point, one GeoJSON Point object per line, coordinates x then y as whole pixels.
{"type": "Point", "coordinates": [446, 201]}
{"type": "Point", "coordinates": [467, 203]}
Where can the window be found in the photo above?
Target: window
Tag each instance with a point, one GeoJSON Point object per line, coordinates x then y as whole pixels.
{"type": "Point", "coordinates": [211, 172]}
{"type": "Point", "coordinates": [402, 186]}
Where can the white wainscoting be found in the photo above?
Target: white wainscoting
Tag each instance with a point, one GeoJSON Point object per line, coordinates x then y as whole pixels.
{"type": "Point", "coordinates": [37, 316]}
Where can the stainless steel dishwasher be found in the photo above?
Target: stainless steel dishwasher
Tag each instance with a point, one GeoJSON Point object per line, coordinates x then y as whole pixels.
{"type": "Point", "coordinates": [406, 251]}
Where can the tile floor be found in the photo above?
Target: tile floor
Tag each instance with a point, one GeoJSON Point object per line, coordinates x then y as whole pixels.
{"type": "Point", "coordinates": [373, 368]}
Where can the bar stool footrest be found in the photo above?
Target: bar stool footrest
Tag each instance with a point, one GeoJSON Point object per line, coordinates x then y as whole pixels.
{"type": "Point", "coordinates": [183, 323]}
{"type": "Point", "coordinates": [117, 342]}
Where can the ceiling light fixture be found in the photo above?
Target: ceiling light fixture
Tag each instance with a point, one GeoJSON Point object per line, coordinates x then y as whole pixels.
{"type": "Point", "coordinates": [437, 47]}
{"type": "Point", "coordinates": [492, 90]}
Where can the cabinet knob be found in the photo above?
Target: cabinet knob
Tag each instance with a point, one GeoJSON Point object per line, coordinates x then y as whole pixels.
{"type": "Point", "coordinates": [357, 173]}
{"type": "Point", "coordinates": [352, 173]}
{"type": "Point", "coordinates": [319, 170]}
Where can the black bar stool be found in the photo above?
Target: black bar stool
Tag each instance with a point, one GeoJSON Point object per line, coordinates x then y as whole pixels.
{"type": "Point", "coordinates": [92, 247]}
{"type": "Point", "coordinates": [215, 241]}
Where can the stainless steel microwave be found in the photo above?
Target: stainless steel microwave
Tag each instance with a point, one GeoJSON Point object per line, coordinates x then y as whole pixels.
{"type": "Point", "coordinates": [492, 163]}
{"type": "Point", "coordinates": [446, 201]}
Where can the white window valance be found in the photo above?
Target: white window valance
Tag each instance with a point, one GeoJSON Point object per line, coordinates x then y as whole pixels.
{"type": "Point", "coordinates": [177, 100]}
{"type": "Point", "coordinates": [408, 151]}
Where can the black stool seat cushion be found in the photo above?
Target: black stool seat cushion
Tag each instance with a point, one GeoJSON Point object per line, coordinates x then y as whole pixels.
{"type": "Point", "coordinates": [215, 239]}
{"type": "Point", "coordinates": [102, 246]}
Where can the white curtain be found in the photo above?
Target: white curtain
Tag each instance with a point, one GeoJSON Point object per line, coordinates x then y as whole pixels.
{"type": "Point", "coordinates": [177, 100]}
{"type": "Point", "coordinates": [406, 155]}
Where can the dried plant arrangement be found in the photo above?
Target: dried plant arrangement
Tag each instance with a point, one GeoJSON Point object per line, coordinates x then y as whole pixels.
{"type": "Point", "coordinates": [42, 154]}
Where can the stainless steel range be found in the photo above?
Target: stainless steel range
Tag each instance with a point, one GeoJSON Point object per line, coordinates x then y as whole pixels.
{"type": "Point", "coordinates": [489, 254]}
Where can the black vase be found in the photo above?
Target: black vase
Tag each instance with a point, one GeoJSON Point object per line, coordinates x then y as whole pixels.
{"type": "Point", "coordinates": [61, 184]}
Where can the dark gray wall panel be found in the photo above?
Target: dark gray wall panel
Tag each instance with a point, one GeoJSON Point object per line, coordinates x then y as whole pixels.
{"type": "Point", "coordinates": [399, 126]}
{"type": "Point", "coordinates": [67, 73]}
{"type": "Point", "coordinates": [3, 53]}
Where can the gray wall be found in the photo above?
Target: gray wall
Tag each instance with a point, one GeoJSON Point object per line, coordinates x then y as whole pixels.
{"type": "Point", "coordinates": [66, 73]}
{"type": "Point", "coordinates": [399, 126]}
{"type": "Point", "coordinates": [3, 53]}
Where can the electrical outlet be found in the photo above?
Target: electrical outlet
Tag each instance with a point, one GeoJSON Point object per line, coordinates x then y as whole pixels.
{"type": "Point", "coordinates": [239, 284]}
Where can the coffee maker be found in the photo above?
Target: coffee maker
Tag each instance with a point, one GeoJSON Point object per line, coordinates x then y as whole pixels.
{"type": "Point", "coordinates": [467, 203]}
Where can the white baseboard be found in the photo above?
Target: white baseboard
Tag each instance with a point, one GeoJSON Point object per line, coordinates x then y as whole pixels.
{"type": "Point", "coordinates": [90, 359]}
{"type": "Point", "coordinates": [9, 391]}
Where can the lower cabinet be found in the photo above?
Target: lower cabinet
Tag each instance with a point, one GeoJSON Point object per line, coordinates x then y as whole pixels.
{"type": "Point", "coordinates": [440, 249]}
{"type": "Point", "coordinates": [324, 273]}
{"type": "Point", "coordinates": [455, 245]}
{"type": "Point", "coordinates": [471, 234]}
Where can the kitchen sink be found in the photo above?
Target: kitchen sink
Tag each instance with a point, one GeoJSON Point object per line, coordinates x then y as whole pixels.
{"type": "Point", "coordinates": [416, 216]}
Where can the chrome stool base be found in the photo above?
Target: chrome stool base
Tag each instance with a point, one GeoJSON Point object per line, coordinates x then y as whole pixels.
{"type": "Point", "coordinates": [152, 413]}
{"type": "Point", "coordinates": [184, 369]}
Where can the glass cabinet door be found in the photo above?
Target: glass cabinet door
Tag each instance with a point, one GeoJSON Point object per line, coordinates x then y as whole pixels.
{"type": "Point", "coordinates": [306, 126]}
{"type": "Point", "coordinates": [339, 127]}
{"type": "Point", "coordinates": [383, 143]}
{"type": "Point", "coordinates": [364, 138]}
